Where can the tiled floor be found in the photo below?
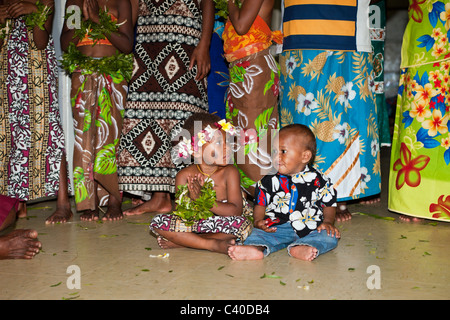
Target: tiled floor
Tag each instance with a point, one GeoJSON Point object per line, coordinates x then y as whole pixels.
{"type": "Point", "coordinates": [116, 261]}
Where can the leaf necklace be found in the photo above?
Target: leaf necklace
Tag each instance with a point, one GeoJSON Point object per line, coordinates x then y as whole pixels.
{"type": "Point", "coordinates": [206, 174]}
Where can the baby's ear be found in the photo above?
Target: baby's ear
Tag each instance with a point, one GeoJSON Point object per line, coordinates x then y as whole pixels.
{"type": "Point", "coordinates": [306, 156]}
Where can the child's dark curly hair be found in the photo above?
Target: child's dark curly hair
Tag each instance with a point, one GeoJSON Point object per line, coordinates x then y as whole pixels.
{"type": "Point", "coordinates": [309, 140]}
{"type": "Point", "coordinates": [199, 121]}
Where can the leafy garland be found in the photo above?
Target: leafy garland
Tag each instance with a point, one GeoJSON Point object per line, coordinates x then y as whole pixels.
{"type": "Point", "coordinates": [222, 7]}
{"type": "Point", "coordinates": [73, 60]}
{"type": "Point", "coordinates": [192, 210]}
{"type": "Point", "coordinates": [97, 31]}
{"type": "Point", "coordinates": [39, 17]}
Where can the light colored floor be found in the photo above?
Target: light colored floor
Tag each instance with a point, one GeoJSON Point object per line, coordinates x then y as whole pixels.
{"type": "Point", "coordinates": [411, 260]}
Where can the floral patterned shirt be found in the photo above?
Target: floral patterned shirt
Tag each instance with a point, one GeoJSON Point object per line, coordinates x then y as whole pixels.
{"type": "Point", "coordinates": [298, 199]}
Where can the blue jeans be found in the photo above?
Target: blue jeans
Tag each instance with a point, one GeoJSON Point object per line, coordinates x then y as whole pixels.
{"type": "Point", "coordinates": [286, 237]}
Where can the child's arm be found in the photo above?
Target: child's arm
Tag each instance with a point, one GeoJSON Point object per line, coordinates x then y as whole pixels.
{"type": "Point", "coordinates": [242, 19]}
{"type": "Point", "coordinates": [329, 214]}
{"type": "Point", "coordinates": [200, 56]}
{"type": "Point", "coordinates": [233, 206]}
{"type": "Point", "coordinates": [259, 213]}
{"type": "Point", "coordinates": [123, 39]}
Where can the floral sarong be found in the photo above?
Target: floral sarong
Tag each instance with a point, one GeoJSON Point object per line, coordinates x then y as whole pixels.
{"type": "Point", "coordinates": [419, 180]}
{"type": "Point", "coordinates": [97, 104]}
{"type": "Point", "coordinates": [31, 134]}
{"type": "Point", "coordinates": [239, 226]}
{"type": "Point", "coordinates": [332, 93]}
{"type": "Point", "coordinates": [252, 101]}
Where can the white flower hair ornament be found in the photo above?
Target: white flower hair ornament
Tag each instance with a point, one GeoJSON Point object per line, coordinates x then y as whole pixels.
{"type": "Point", "coordinates": [186, 148]}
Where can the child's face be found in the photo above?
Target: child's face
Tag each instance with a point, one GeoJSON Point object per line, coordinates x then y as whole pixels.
{"type": "Point", "coordinates": [289, 155]}
{"type": "Point", "coordinates": [216, 151]}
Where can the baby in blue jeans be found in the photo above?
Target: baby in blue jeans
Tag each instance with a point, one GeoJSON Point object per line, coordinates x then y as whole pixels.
{"type": "Point", "coordinates": [294, 208]}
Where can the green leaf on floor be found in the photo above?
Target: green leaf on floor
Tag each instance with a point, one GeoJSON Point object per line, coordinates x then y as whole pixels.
{"type": "Point", "coordinates": [56, 284]}
{"type": "Point", "coordinates": [271, 276]}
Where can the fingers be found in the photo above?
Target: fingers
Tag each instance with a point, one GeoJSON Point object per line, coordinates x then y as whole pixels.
{"type": "Point", "coordinates": [18, 9]}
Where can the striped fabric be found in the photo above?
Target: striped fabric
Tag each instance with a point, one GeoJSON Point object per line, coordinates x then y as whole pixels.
{"type": "Point", "coordinates": [325, 24]}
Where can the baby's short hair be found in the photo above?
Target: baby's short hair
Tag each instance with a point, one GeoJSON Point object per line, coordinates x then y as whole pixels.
{"type": "Point", "coordinates": [205, 119]}
{"type": "Point", "coordinates": [305, 132]}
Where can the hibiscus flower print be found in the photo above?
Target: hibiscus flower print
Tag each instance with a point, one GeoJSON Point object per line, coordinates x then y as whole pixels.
{"type": "Point", "coordinates": [408, 168]}
{"type": "Point", "coordinates": [290, 65]}
{"type": "Point", "coordinates": [281, 200]}
{"type": "Point", "coordinates": [365, 178]}
{"type": "Point", "coordinates": [306, 103]}
{"type": "Point", "coordinates": [347, 94]}
{"type": "Point", "coordinates": [442, 208]}
{"type": "Point", "coordinates": [341, 132]}
{"type": "Point", "coordinates": [305, 176]}
{"type": "Point", "coordinates": [308, 218]}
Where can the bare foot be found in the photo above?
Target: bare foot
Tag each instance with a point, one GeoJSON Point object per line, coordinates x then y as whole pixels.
{"type": "Point", "coordinates": [166, 244]}
{"type": "Point", "coordinates": [114, 211]}
{"type": "Point", "coordinates": [159, 203]}
{"type": "Point", "coordinates": [89, 215]}
{"type": "Point", "coordinates": [410, 219]}
{"type": "Point", "coordinates": [136, 202]}
{"type": "Point", "coordinates": [61, 215]}
{"type": "Point", "coordinates": [342, 212]}
{"type": "Point", "coordinates": [241, 253]}
{"type": "Point", "coordinates": [302, 252]}
{"type": "Point", "coordinates": [221, 246]}
{"type": "Point", "coordinates": [370, 200]}
{"type": "Point", "coordinates": [19, 244]}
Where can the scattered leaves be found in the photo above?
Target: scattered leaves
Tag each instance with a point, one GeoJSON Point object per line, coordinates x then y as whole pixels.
{"type": "Point", "coordinates": [56, 284]}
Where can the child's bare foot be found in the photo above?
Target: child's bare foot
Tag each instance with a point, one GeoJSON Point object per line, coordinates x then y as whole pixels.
{"type": "Point", "coordinates": [409, 218]}
{"type": "Point", "coordinates": [61, 215]}
{"type": "Point", "coordinates": [302, 252]}
{"type": "Point", "coordinates": [342, 212]}
{"type": "Point", "coordinates": [163, 243]}
{"type": "Point", "coordinates": [89, 215]}
{"type": "Point", "coordinates": [159, 203]}
{"type": "Point", "coordinates": [241, 253]}
{"type": "Point", "coordinates": [19, 244]}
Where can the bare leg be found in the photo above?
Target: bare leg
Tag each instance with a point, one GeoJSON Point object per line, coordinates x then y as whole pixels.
{"type": "Point", "coordinates": [166, 244]}
{"type": "Point", "coordinates": [10, 218]}
{"type": "Point", "coordinates": [19, 244]}
{"type": "Point", "coordinates": [214, 242]}
{"type": "Point", "coordinates": [92, 215]}
{"type": "Point", "coordinates": [241, 253]}
{"type": "Point", "coordinates": [63, 211]}
{"type": "Point", "coordinates": [159, 203]}
{"type": "Point", "coordinates": [303, 252]}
